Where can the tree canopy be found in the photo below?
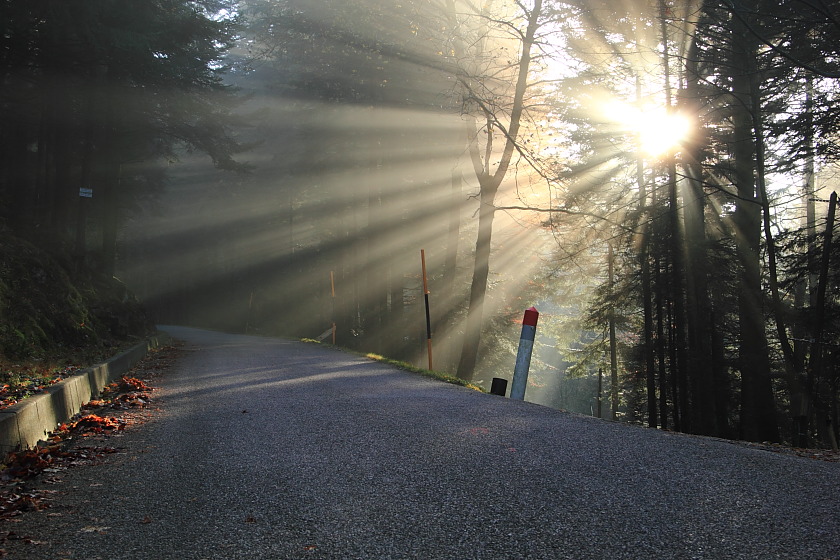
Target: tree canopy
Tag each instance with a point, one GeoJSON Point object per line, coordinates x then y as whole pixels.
{"type": "Point", "coordinates": [89, 87]}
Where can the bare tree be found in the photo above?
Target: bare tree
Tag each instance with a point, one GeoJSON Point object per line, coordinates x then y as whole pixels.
{"type": "Point", "coordinates": [492, 117]}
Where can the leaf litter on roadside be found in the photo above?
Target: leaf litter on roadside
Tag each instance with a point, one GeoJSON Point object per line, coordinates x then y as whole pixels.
{"type": "Point", "coordinates": [117, 408]}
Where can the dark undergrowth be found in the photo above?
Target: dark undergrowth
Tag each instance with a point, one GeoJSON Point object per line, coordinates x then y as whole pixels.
{"type": "Point", "coordinates": [58, 314]}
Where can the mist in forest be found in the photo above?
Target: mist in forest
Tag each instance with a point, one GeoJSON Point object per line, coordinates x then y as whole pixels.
{"type": "Point", "coordinates": [654, 177]}
{"type": "Point", "coordinates": [327, 224]}
{"type": "Point", "coordinates": [328, 227]}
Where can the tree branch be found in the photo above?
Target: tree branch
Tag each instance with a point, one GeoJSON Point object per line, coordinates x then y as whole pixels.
{"type": "Point", "coordinates": [776, 48]}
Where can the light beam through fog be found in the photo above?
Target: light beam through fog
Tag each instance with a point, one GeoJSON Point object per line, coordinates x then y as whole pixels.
{"type": "Point", "coordinates": [362, 158]}
{"type": "Point", "coordinates": [268, 241]}
{"type": "Point", "coordinates": [355, 187]}
{"type": "Point", "coordinates": [533, 150]}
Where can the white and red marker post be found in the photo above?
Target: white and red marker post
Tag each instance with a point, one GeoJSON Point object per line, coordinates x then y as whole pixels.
{"type": "Point", "coordinates": [523, 355]}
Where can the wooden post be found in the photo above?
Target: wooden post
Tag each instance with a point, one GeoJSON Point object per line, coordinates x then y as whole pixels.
{"type": "Point", "coordinates": [428, 315]}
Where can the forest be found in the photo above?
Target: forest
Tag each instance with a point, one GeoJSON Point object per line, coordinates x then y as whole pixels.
{"type": "Point", "coordinates": [657, 177]}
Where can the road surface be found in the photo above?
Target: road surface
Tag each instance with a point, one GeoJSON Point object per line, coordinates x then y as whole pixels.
{"type": "Point", "coordinates": [274, 449]}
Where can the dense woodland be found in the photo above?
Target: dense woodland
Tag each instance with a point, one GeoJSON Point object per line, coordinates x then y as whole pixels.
{"type": "Point", "coordinates": [277, 166]}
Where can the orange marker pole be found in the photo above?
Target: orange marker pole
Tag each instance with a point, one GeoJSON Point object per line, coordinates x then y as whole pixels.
{"type": "Point", "coordinates": [428, 316]}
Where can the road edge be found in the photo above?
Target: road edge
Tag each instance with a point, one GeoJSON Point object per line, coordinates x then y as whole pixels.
{"type": "Point", "coordinates": [28, 422]}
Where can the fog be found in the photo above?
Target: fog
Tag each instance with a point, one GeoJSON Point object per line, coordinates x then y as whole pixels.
{"type": "Point", "coordinates": [352, 192]}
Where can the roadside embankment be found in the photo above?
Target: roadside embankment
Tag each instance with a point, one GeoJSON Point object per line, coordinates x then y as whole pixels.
{"type": "Point", "coordinates": [26, 423]}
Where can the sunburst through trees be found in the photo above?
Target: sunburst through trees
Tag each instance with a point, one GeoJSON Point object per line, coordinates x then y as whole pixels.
{"type": "Point", "coordinates": [635, 169]}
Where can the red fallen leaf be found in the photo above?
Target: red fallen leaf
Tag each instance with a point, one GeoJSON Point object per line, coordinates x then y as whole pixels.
{"type": "Point", "coordinates": [12, 504]}
{"type": "Point", "coordinates": [146, 520]}
{"type": "Point", "coordinates": [250, 519]}
{"type": "Point", "coordinates": [310, 547]}
{"type": "Point", "coordinates": [49, 459]}
{"type": "Point", "coordinates": [98, 423]}
{"type": "Point", "coordinates": [95, 404]}
{"type": "Point", "coordinates": [135, 399]}
{"type": "Point", "coordinates": [31, 462]}
{"type": "Point", "coordinates": [134, 384]}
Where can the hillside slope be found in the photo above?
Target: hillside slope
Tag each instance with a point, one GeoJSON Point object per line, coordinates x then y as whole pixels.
{"type": "Point", "coordinates": [51, 308]}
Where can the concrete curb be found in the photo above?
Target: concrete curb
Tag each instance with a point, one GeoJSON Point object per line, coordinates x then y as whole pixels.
{"type": "Point", "coordinates": [23, 425]}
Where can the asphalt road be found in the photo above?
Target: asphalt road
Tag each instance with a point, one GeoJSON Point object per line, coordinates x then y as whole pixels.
{"type": "Point", "coordinates": [274, 449]}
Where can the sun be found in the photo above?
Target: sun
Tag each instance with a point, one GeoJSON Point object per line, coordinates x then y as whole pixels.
{"type": "Point", "coordinates": [661, 132]}
{"type": "Point", "coordinates": [657, 130]}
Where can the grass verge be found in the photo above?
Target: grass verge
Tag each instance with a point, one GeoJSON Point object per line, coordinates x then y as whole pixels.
{"type": "Point", "coordinates": [440, 376]}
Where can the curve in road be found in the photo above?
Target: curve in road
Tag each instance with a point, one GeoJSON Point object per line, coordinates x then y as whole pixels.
{"type": "Point", "coordinates": [269, 448]}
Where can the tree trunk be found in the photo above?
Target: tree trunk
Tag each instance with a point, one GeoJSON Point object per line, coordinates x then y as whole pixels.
{"type": "Point", "coordinates": [806, 289]}
{"type": "Point", "coordinates": [448, 304]}
{"type": "Point", "coordinates": [699, 310]}
{"type": "Point", "coordinates": [659, 306]}
{"type": "Point", "coordinates": [110, 182]}
{"type": "Point", "coordinates": [82, 202]}
{"type": "Point", "coordinates": [818, 385]}
{"type": "Point", "coordinates": [489, 184]}
{"type": "Point", "coordinates": [453, 234]}
{"type": "Point", "coordinates": [681, 364]}
{"type": "Point", "coordinates": [722, 385]}
{"type": "Point", "coordinates": [478, 288]}
{"type": "Point", "coordinates": [793, 368]}
{"type": "Point", "coordinates": [647, 306]}
{"type": "Point", "coordinates": [758, 421]}
{"type": "Point", "coordinates": [661, 353]}
{"type": "Point", "coordinates": [647, 297]}
{"type": "Point", "coordinates": [699, 306]}
{"type": "Point", "coordinates": [110, 210]}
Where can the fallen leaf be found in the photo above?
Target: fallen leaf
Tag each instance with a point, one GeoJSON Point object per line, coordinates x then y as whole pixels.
{"type": "Point", "coordinates": [94, 529]}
